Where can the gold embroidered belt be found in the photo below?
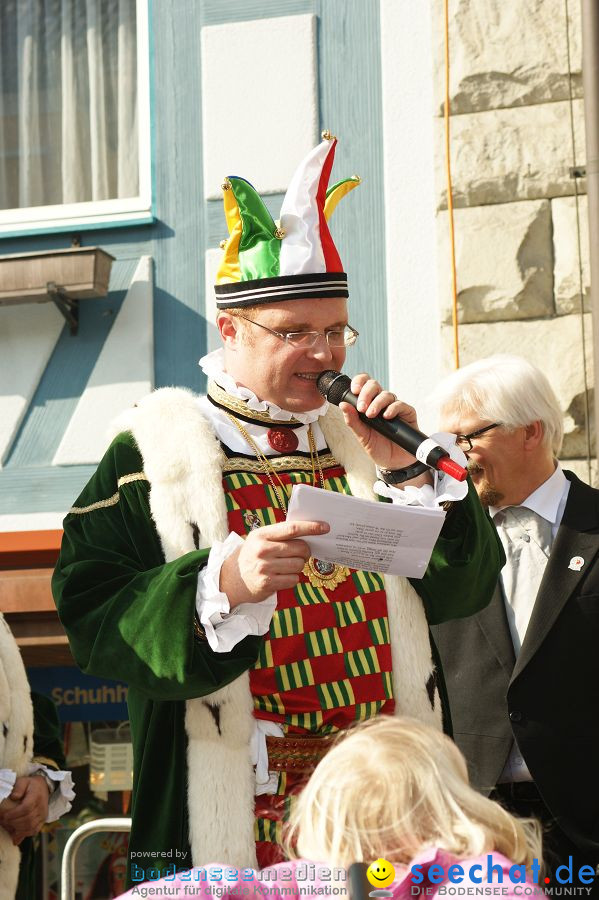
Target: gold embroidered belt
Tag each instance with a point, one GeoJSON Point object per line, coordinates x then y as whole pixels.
{"type": "Point", "coordinates": [296, 753]}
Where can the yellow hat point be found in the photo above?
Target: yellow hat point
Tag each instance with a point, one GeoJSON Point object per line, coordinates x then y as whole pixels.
{"type": "Point", "coordinates": [223, 244]}
{"type": "Point", "coordinates": [226, 185]}
{"type": "Point", "coordinates": [337, 191]}
{"type": "Point", "coordinates": [380, 873]}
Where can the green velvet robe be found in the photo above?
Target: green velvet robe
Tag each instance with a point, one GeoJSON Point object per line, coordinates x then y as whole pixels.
{"type": "Point", "coordinates": [129, 615]}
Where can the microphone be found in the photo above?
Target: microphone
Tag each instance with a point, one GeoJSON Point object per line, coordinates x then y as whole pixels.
{"type": "Point", "coordinates": [335, 387]}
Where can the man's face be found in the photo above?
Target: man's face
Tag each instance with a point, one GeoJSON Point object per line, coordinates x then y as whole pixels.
{"type": "Point", "coordinates": [276, 371]}
{"type": "Point", "coordinates": [496, 461]}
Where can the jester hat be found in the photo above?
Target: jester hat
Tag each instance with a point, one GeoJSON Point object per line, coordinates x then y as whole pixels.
{"type": "Point", "coordinates": [294, 260]}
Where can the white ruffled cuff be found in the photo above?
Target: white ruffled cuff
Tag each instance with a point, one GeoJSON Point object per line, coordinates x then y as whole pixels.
{"type": "Point", "coordinates": [61, 799]}
{"type": "Point", "coordinates": [444, 487]}
{"type": "Point", "coordinates": [7, 783]}
{"type": "Point", "coordinates": [225, 627]}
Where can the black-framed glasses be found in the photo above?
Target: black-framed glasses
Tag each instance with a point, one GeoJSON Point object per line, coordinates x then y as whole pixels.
{"type": "Point", "coordinates": [464, 441]}
{"type": "Point", "coordinates": [305, 340]}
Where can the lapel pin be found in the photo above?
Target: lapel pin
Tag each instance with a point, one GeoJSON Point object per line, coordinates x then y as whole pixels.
{"type": "Point", "coordinates": [576, 563]}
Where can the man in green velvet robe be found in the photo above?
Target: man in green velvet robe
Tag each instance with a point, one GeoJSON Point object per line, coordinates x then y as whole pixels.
{"type": "Point", "coordinates": [228, 645]}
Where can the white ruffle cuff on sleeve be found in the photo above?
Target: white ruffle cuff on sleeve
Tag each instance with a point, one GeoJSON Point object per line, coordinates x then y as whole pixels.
{"type": "Point", "coordinates": [7, 783]}
{"type": "Point", "coordinates": [225, 627]}
{"type": "Point", "coordinates": [62, 797]}
{"type": "Point", "coordinates": [444, 487]}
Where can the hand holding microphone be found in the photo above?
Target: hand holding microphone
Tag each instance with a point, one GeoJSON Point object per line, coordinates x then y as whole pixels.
{"type": "Point", "coordinates": [385, 433]}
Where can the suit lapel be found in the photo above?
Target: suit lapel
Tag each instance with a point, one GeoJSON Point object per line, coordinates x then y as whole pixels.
{"type": "Point", "coordinates": [578, 535]}
{"type": "Point", "coordinates": [492, 620]}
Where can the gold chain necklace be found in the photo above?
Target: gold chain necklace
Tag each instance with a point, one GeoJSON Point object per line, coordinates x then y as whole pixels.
{"type": "Point", "coordinates": [319, 573]}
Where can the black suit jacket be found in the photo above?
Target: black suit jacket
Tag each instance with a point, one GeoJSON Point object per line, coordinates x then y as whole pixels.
{"type": "Point", "coordinates": [549, 698]}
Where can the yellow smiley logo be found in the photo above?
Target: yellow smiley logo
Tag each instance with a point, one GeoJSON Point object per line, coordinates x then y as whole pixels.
{"type": "Point", "coordinates": [380, 873]}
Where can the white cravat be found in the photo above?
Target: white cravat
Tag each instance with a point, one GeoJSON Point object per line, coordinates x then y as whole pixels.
{"type": "Point", "coordinates": [548, 502]}
{"type": "Point", "coordinates": [526, 537]}
{"type": "Point", "coordinates": [527, 532]}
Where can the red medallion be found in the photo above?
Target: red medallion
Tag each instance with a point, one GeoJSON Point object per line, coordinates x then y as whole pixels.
{"type": "Point", "coordinates": [283, 440]}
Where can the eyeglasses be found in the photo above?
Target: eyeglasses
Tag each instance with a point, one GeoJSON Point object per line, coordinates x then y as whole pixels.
{"type": "Point", "coordinates": [464, 441]}
{"type": "Point", "coordinates": [305, 340]}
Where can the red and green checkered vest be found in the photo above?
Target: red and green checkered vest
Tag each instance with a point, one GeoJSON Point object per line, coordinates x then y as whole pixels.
{"type": "Point", "coordinates": [327, 659]}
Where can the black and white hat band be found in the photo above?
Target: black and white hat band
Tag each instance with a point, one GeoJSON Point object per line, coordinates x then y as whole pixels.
{"type": "Point", "coordinates": [284, 287]}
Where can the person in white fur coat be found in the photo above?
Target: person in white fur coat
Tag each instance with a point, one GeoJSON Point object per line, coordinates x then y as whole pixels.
{"type": "Point", "coordinates": [31, 793]}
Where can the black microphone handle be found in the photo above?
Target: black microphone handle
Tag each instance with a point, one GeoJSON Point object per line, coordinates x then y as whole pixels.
{"type": "Point", "coordinates": [397, 431]}
{"type": "Point", "coordinates": [337, 389]}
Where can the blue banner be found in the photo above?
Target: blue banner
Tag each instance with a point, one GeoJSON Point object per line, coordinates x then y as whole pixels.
{"type": "Point", "coordinates": [79, 697]}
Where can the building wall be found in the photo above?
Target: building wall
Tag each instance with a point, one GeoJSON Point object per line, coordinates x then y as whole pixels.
{"type": "Point", "coordinates": [517, 127]}
{"type": "Point", "coordinates": [245, 87]}
{"type": "Point", "coordinates": [242, 87]}
{"type": "Point", "coordinates": [409, 198]}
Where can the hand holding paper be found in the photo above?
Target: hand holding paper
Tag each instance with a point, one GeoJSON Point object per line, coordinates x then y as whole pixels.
{"type": "Point", "coordinates": [376, 537]}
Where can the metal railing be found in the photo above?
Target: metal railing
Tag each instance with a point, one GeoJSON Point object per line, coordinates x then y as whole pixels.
{"type": "Point", "coordinates": [67, 868]}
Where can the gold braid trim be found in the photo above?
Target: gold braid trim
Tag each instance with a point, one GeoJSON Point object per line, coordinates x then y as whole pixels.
{"type": "Point", "coordinates": [46, 761]}
{"type": "Point", "coordinates": [198, 630]}
{"type": "Point", "coordinates": [111, 501]}
{"type": "Point", "coordinates": [135, 476]}
{"type": "Point", "coordinates": [278, 463]}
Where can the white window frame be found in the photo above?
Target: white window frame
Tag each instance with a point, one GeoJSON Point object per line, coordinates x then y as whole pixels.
{"type": "Point", "coordinates": [94, 214]}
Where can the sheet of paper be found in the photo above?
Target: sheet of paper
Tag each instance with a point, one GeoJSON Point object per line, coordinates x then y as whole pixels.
{"type": "Point", "coordinates": [376, 537]}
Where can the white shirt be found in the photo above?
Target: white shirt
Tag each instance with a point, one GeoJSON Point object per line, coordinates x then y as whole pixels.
{"type": "Point", "coordinates": [548, 500]}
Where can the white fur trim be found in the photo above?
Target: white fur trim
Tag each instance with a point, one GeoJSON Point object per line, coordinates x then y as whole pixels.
{"type": "Point", "coordinates": [10, 858]}
{"type": "Point", "coordinates": [221, 777]}
{"type": "Point", "coordinates": [16, 741]}
{"type": "Point", "coordinates": [183, 461]}
{"type": "Point", "coordinates": [16, 713]}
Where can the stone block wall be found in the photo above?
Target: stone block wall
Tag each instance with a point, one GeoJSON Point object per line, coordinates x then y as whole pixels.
{"type": "Point", "coordinates": [515, 133]}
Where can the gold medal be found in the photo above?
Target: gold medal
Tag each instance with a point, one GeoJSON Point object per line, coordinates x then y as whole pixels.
{"type": "Point", "coordinates": [251, 520]}
{"type": "Point", "coordinates": [323, 574]}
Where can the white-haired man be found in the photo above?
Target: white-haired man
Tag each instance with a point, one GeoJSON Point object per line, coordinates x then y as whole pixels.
{"type": "Point", "coordinates": [523, 674]}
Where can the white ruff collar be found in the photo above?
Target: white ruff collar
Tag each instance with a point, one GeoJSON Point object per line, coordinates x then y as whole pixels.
{"type": "Point", "coordinates": [213, 367]}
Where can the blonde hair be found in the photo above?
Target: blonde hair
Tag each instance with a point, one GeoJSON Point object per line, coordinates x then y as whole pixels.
{"type": "Point", "coordinates": [393, 787]}
{"type": "Point", "coordinates": [238, 312]}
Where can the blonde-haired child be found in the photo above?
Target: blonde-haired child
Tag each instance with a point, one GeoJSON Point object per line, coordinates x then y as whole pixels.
{"type": "Point", "coordinates": [393, 789]}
